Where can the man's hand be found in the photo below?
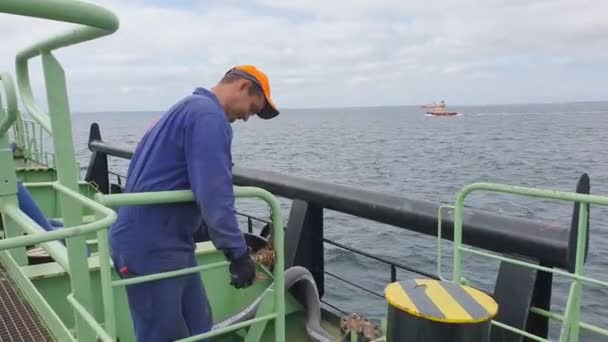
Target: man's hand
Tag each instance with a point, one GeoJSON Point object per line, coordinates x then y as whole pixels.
{"type": "Point", "coordinates": [242, 271]}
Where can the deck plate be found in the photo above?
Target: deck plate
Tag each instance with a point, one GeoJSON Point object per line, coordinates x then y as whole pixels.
{"type": "Point", "coordinates": [18, 320]}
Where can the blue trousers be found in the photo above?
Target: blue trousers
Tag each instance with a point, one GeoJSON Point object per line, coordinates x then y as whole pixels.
{"type": "Point", "coordinates": [31, 209]}
{"type": "Point", "coordinates": [169, 309]}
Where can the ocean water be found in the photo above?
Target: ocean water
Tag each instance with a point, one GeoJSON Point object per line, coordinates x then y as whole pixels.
{"type": "Point", "coordinates": [401, 151]}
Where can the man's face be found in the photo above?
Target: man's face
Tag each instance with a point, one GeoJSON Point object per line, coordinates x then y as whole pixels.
{"type": "Point", "coordinates": [244, 105]}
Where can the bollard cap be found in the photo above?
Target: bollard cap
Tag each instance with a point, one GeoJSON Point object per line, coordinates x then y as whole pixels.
{"type": "Point", "coordinates": [441, 301]}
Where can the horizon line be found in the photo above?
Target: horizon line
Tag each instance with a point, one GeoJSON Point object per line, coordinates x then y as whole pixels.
{"type": "Point", "coordinates": [367, 106]}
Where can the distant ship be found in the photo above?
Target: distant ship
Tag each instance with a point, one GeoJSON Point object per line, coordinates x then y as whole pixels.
{"type": "Point", "coordinates": [438, 109]}
{"type": "Point", "coordinates": [434, 105]}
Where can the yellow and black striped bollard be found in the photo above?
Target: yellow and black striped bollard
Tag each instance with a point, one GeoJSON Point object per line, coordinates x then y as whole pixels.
{"type": "Point", "coordinates": [438, 311]}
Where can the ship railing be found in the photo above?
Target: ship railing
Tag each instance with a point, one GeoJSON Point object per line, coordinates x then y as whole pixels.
{"type": "Point", "coordinates": [93, 22]}
{"type": "Point", "coordinates": [272, 307]}
{"type": "Point", "coordinates": [34, 142]}
{"type": "Point", "coordinates": [251, 220]}
{"type": "Point", "coordinates": [11, 114]}
{"type": "Point", "coordinates": [393, 266]}
{"type": "Point", "coordinates": [70, 259]}
{"type": "Point", "coordinates": [571, 322]}
{"type": "Point", "coordinates": [549, 244]}
{"type": "Point", "coordinates": [253, 228]}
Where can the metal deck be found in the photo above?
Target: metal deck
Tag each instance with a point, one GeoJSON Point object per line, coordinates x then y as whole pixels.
{"type": "Point", "coordinates": [18, 321]}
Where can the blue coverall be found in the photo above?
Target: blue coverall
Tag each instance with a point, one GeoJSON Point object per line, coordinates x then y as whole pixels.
{"type": "Point", "coordinates": [30, 208]}
{"type": "Point", "coordinates": [188, 148]}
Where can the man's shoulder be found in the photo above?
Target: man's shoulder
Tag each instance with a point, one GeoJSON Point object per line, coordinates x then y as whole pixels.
{"type": "Point", "coordinates": [196, 104]}
{"type": "Point", "coordinates": [203, 107]}
{"type": "Point", "coordinates": [203, 100]}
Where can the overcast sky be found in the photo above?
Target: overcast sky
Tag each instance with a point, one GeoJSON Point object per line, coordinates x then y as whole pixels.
{"type": "Point", "coordinates": [326, 53]}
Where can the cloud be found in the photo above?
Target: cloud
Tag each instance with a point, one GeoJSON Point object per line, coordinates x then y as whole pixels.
{"type": "Point", "coordinates": [334, 53]}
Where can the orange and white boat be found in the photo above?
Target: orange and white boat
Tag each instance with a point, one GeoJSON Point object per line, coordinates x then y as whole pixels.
{"type": "Point", "coordinates": [442, 113]}
{"type": "Point", "coordinates": [438, 110]}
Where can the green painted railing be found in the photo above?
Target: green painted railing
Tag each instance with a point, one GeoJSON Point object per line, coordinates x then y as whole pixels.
{"type": "Point", "coordinates": [106, 217]}
{"type": "Point", "coordinates": [96, 21]}
{"type": "Point", "coordinates": [30, 136]}
{"type": "Point", "coordinates": [571, 319]}
{"type": "Point", "coordinates": [11, 103]}
{"type": "Point", "coordinates": [93, 22]}
{"type": "Point", "coordinates": [162, 197]}
{"type": "Point", "coordinates": [20, 223]}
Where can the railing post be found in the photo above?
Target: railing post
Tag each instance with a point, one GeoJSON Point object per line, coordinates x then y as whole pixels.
{"type": "Point", "coordinates": [33, 146]}
{"type": "Point", "coordinates": [67, 175]}
{"type": "Point", "coordinates": [41, 147]}
{"type": "Point", "coordinates": [27, 147]}
{"type": "Point", "coordinates": [304, 240]}
{"type": "Point", "coordinates": [8, 178]}
{"type": "Point", "coordinates": [581, 242]}
{"type": "Point", "coordinates": [97, 171]}
{"type": "Point", "coordinates": [458, 212]}
{"type": "Point", "coordinates": [18, 126]}
{"type": "Point", "coordinates": [106, 282]}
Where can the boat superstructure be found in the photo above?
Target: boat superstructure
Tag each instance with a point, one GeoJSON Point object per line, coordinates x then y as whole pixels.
{"type": "Point", "coordinates": [61, 286]}
{"type": "Point", "coordinates": [438, 109]}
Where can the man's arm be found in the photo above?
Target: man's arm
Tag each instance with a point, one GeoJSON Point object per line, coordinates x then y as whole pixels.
{"type": "Point", "coordinates": [207, 150]}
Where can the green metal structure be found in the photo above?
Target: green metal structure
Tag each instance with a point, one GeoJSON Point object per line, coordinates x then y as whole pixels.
{"type": "Point", "coordinates": [94, 22]}
{"type": "Point", "coordinates": [571, 318]}
{"type": "Point", "coordinates": [80, 298]}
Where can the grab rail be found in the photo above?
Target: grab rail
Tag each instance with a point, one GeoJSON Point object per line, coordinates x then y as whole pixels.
{"type": "Point", "coordinates": [12, 211]}
{"type": "Point", "coordinates": [571, 319]}
{"type": "Point", "coordinates": [177, 196]}
{"type": "Point", "coordinates": [98, 22]}
{"type": "Point", "coordinates": [11, 102]}
{"type": "Point", "coordinates": [94, 22]}
{"type": "Point", "coordinates": [106, 216]}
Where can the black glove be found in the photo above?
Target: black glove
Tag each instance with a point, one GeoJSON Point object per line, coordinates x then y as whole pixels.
{"type": "Point", "coordinates": [242, 271]}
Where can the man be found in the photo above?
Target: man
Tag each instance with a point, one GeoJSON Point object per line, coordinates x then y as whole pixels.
{"type": "Point", "coordinates": [188, 148]}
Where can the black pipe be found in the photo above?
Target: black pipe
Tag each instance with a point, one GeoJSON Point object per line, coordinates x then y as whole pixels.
{"type": "Point", "coordinates": [545, 242]}
{"type": "Point", "coordinates": [541, 241]}
{"type": "Point", "coordinates": [100, 146]}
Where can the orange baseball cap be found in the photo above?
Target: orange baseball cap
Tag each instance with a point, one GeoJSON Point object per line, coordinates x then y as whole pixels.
{"type": "Point", "coordinates": [258, 77]}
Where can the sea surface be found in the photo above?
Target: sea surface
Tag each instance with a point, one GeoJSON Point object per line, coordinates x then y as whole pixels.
{"type": "Point", "coordinates": [402, 151]}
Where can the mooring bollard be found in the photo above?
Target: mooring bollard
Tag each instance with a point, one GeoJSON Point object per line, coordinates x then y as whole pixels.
{"type": "Point", "coordinates": [432, 311]}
